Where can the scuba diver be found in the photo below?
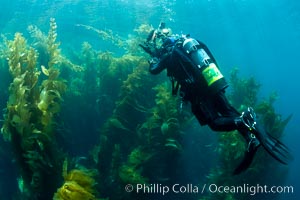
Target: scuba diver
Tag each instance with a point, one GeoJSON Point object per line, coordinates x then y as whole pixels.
{"type": "Point", "coordinates": [195, 75]}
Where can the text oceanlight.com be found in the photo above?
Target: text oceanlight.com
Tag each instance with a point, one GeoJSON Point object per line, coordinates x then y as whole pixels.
{"type": "Point", "coordinates": [210, 188]}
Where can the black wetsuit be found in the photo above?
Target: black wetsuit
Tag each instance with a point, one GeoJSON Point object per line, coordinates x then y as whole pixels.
{"type": "Point", "coordinates": [209, 103]}
{"type": "Point", "coordinates": [190, 63]}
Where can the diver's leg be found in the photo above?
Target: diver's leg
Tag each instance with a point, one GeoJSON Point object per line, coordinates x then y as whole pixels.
{"type": "Point", "coordinates": [229, 124]}
{"type": "Point", "coordinates": [220, 116]}
{"type": "Point", "coordinates": [207, 112]}
{"type": "Point", "coordinates": [228, 118]}
{"type": "Point", "coordinates": [248, 126]}
{"type": "Point", "coordinates": [223, 106]}
{"type": "Point", "coordinates": [251, 149]}
{"type": "Point", "coordinates": [233, 120]}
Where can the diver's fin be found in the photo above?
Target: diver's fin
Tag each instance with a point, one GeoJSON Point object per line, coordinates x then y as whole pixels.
{"type": "Point", "coordinates": [246, 162]}
{"type": "Point", "coordinates": [274, 147]}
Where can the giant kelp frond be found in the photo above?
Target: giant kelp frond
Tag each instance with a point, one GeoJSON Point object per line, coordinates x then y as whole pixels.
{"type": "Point", "coordinates": [52, 45]}
{"type": "Point", "coordinates": [143, 30]}
{"type": "Point", "coordinates": [107, 35]}
{"type": "Point", "coordinates": [133, 96]}
{"type": "Point", "coordinates": [120, 158]}
{"type": "Point", "coordinates": [31, 108]}
{"type": "Point", "coordinates": [79, 185]}
{"type": "Point", "coordinates": [53, 87]}
{"type": "Point", "coordinates": [141, 33]}
{"type": "Point", "coordinates": [231, 147]}
{"type": "Point", "coordinates": [166, 104]}
{"type": "Point", "coordinates": [48, 47]}
{"type": "Point", "coordinates": [3, 51]}
{"type": "Point", "coordinates": [123, 65]}
{"type": "Point", "coordinates": [39, 38]}
{"type": "Point", "coordinates": [23, 90]}
{"type": "Point", "coordinates": [273, 122]}
{"type": "Point", "coordinates": [131, 172]}
{"type": "Point", "coordinates": [18, 56]}
{"type": "Point", "coordinates": [244, 91]}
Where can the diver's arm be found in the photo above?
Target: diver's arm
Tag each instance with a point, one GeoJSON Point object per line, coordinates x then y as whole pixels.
{"type": "Point", "coordinates": [157, 65]}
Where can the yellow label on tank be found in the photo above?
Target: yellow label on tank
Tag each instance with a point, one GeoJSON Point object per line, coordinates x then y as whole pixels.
{"type": "Point", "coordinates": [211, 74]}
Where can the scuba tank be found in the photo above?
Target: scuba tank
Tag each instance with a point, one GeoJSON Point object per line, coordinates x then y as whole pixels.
{"type": "Point", "coordinates": [214, 79]}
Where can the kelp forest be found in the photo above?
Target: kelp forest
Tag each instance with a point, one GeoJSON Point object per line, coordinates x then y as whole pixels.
{"type": "Point", "coordinates": [82, 125]}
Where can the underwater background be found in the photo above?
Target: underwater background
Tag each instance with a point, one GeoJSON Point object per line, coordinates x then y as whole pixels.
{"type": "Point", "coordinates": [82, 117]}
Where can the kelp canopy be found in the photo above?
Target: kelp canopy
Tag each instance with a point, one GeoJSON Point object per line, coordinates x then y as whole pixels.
{"type": "Point", "coordinates": [84, 124]}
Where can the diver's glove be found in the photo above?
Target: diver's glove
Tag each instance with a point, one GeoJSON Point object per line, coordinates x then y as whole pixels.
{"type": "Point", "coordinates": [149, 48]}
